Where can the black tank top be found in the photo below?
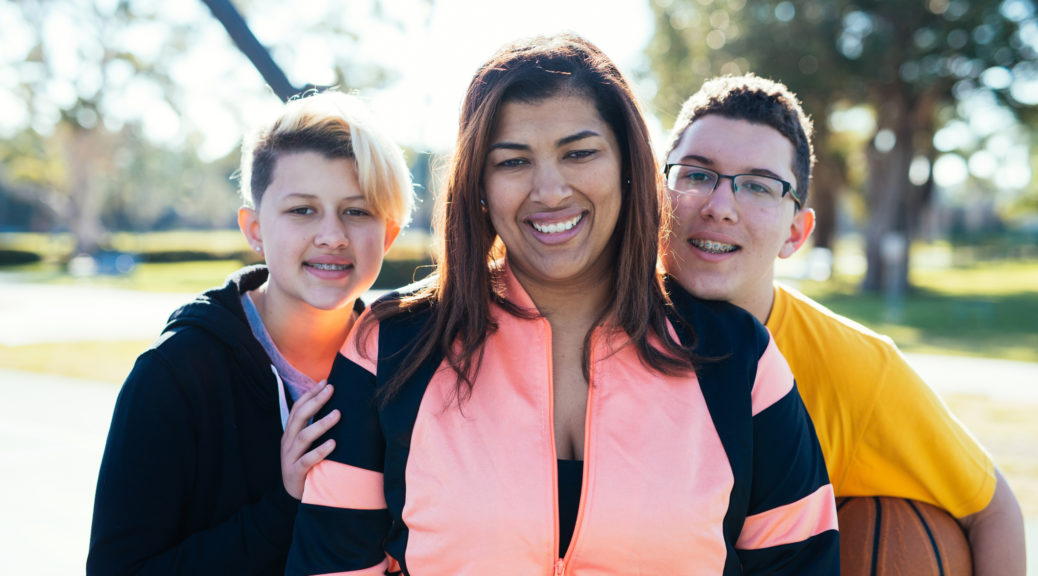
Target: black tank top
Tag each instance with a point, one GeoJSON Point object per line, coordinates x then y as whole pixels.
{"type": "Point", "coordinates": [571, 479]}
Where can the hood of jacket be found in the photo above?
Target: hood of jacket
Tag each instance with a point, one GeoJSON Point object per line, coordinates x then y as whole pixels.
{"type": "Point", "coordinates": [220, 313]}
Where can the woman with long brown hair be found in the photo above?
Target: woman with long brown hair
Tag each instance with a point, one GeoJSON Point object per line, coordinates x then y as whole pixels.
{"type": "Point", "coordinates": [531, 408]}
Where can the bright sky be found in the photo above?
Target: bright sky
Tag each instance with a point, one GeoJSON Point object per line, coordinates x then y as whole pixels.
{"type": "Point", "coordinates": [434, 56]}
{"type": "Point", "coordinates": [437, 59]}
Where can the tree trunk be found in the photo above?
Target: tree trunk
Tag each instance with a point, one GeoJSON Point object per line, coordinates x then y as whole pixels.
{"type": "Point", "coordinates": [889, 192]}
{"type": "Point", "coordinates": [85, 203]}
{"type": "Point", "coordinates": [828, 180]}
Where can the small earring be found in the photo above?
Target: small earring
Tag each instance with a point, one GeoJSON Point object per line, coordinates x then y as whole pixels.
{"type": "Point", "coordinates": [259, 248]}
{"type": "Point", "coordinates": [627, 182]}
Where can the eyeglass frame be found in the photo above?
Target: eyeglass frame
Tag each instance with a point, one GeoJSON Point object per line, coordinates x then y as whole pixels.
{"type": "Point", "coordinates": [787, 188]}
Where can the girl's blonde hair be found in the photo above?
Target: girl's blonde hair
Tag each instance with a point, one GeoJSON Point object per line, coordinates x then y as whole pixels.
{"type": "Point", "coordinates": [336, 125]}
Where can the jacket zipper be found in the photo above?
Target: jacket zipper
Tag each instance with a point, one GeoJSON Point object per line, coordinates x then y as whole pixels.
{"type": "Point", "coordinates": [560, 564]}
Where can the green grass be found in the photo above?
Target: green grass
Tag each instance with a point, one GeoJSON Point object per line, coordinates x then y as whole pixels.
{"type": "Point", "coordinates": [98, 361]}
{"type": "Point", "coordinates": [62, 245]}
{"type": "Point", "coordinates": [188, 277]}
{"type": "Point", "coordinates": [1007, 430]}
{"type": "Point", "coordinates": [988, 310]}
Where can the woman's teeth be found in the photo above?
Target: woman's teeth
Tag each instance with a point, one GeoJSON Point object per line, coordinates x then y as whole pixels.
{"type": "Point", "coordinates": [558, 226]}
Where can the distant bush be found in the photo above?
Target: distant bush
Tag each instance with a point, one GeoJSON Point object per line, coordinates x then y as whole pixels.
{"type": "Point", "coordinates": [168, 256]}
{"type": "Point", "coordinates": [18, 257]}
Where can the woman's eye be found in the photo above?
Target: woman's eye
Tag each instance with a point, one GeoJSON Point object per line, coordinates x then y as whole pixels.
{"type": "Point", "coordinates": [302, 211]}
{"type": "Point", "coordinates": [356, 212]}
{"type": "Point", "coordinates": [511, 163]}
{"type": "Point", "coordinates": [581, 154]}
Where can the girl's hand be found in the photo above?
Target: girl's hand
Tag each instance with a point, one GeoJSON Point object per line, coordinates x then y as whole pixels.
{"type": "Point", "coordinates": [298, 436]}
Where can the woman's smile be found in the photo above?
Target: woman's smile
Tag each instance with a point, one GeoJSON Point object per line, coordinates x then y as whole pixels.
{"type": "Point", "coordinates": [552, 185]}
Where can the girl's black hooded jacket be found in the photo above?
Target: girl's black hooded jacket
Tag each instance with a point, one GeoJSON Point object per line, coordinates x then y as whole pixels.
{"type": "Point", "coordinates": [190, 482]}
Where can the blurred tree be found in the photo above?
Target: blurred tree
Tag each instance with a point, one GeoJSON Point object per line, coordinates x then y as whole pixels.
{"type": "Point", "coordinates": [128, 109]}
{"type": "Point", "coordinates": [909, 62]}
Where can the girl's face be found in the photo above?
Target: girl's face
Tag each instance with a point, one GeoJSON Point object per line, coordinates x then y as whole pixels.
{"type": "Point", "coordinates": [552, 189]}
{"type": "Point", "coordinates": [322, 242]}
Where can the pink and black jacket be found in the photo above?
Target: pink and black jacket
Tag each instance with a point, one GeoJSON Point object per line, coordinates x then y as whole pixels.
{"type": "Point", "coordinates": [713, 473]}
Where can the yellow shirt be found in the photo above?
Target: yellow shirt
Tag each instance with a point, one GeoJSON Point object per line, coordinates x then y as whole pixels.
{"type": "Point", "coordinates": [883, 431]}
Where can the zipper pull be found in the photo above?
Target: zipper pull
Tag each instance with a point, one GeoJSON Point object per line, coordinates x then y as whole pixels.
{"type": "Point", "coordinates": [560, 567]}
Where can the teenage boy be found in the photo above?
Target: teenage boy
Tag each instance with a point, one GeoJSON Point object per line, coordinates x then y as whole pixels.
{"type": "Point", "coordinates": [738, 169]}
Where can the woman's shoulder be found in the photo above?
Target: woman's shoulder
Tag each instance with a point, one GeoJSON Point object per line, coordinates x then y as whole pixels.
{"type": "Point", "coordinates": [404, 307]}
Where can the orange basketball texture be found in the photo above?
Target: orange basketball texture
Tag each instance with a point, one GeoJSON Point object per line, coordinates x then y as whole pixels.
{"type": "Point", "coordinates": [882, 536]}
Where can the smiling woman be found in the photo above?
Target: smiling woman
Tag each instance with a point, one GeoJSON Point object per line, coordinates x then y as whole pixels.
{"type": "Point", "coordinates": [557, 422]}
{"type": "Point", "coordinates": [552, 185]}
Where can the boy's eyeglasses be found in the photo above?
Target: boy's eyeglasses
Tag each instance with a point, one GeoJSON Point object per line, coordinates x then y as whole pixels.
{"type": "Point", "coordinates": [748, 188]}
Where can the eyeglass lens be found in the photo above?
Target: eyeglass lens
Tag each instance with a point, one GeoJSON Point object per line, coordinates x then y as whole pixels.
{"type": "Point", "coordinates": [752, 188]}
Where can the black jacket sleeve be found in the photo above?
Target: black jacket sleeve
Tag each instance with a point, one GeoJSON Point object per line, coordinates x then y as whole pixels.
{"type": "Point", "coordinates": [147, 483]}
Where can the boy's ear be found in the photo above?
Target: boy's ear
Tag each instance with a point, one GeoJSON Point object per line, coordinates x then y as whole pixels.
{"type": "Point", "coordinates": [392, 231]}
{"type": "Point", "coordinates": [248, 223]}
{"type": "Point", "coordinates": [799, 231]}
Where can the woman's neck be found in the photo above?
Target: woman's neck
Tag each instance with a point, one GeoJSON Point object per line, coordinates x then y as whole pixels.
{"type": "Point", "coordinates": [573, 304]}
{"type": "Point", "coordinates": [307, 337]}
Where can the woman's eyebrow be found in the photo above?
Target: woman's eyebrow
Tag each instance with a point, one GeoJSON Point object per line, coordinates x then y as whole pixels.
{"type": "Point", "coordinates": [559, 143]}
{"type": "Point", "coordinates": [578, 136]}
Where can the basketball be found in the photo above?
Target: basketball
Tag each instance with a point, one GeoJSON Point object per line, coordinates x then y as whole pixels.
{"type": "Point", "coordinates": [882, 536]}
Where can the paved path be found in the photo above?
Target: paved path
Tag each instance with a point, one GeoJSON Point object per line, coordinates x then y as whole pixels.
{"type": "Point", "coordinates": [31, 313]}
{"type": "Point", "coordinates": [52, 435]}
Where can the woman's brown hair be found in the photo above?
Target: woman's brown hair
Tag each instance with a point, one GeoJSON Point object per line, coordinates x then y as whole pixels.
{"type": "Point", "coordinates": [468, 280]}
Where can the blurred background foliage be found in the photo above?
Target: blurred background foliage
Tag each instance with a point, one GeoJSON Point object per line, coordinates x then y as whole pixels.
{"type": "Point", "coordinates": [923, 109]}
{"type": "Point", "coordinates": [97, 136]}
{"type": "Point", "coordinates": [924, 115]}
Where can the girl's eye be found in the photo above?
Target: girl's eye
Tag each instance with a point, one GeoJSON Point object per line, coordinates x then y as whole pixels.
{"type": "Point", "coordinates": [302, 211]}
{"type": "Point", "coordinates": [356, 212]}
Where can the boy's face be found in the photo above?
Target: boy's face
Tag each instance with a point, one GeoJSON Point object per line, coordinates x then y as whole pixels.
{"type": "Point", "coordinates": [322, 242]}
{"type": "Point", "coordinates": [721, 248]}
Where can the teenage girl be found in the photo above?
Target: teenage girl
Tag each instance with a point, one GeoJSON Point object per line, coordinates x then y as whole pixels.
{"type": "Point", "coordinates": [210, 443]}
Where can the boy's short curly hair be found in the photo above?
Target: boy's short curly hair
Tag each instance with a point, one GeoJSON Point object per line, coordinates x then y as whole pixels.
{"type": "Point", "coordinates": [760, 101]}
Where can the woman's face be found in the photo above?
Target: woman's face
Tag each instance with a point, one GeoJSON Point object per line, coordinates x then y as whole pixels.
{"type": "Point", "coordinates": [552, 189]}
